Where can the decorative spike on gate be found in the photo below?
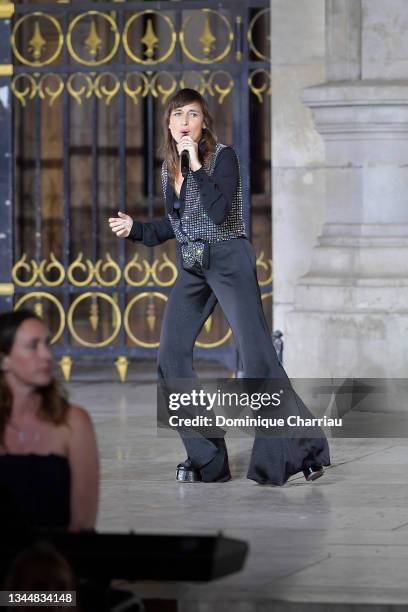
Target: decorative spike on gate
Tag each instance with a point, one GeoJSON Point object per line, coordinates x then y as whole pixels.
{"type": "Point", "coordinates": [93, 41]}
{"type": "Point", "coordinates": [37, 42]}
{"type": "Point", "coordinates": [122, 364]}
{"type": "Point", "coordinates": [94, 316]}
{"type": "Point", "coordinates": [149, 39]}
{"type": "Point", "coordinates": [207, 39]}
{"type": "Point", "coordinates": [66, 366]}
{"type": "Point", "coordinates": [151, 316]}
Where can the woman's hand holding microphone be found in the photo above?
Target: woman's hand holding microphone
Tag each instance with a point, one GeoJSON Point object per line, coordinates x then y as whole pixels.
{"type": "Point", "coordinates": [121, 225]}
{"type": "Point", "coordinates": [186, 143]}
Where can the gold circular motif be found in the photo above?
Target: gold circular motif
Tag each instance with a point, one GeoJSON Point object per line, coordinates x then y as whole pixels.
{"type": "Point", "coordinates": [53, 300]}
{"type": "Point", "coordinates": [159, 267]}
{"type": "Point", "coordinates": [149, 39]}
{"type": "Point", "coordinates": [141, 90]}
{"type": "Point", "coordinates": [47, 267]}
{"type": "Point", "coordinates": [206, 60]}
{"type": "Point", "coordinates": [258, 91]}
{"type": "Point", "coordinates": [107, 57]}
{"type": "Point", "coordinates": [129, 307]}
{"type": "Point", "coordinates": [23, 265]}
{"type": "Point", "coordinates": [102, 91]}
{"type": "Point", "coordinates": [133, 263]}
{"type": "Point", "coordinates": [158, 89]}
{"type": "Point", "coordinates": [249, 35]}
{"type": "Point", "coordinates": [103, 267]}
{"type": "Point", "coordinates": [86, 89]}
{"type": "Point", "coordinates": [28, 92]}
{"type": "Point", "coordinates": [89, 267]}
{"type": "Point", "coordinates": [44, 90]}
{"type": "Point", "coordinates": [60, 39]}
{"type": "Point", "coordinates": [117, 319]}
{"type": "Point", "coordinates": [217, 87]}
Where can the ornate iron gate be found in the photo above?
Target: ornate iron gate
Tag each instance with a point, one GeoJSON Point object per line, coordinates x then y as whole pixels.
{"type": "Point", "coordinates": [82, 88]}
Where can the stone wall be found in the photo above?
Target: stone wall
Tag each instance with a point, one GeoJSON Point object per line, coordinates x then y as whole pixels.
{"type": "Point", "coordinates": [298, 60]}
{"type": "Point", "coordinates": [349, 315]}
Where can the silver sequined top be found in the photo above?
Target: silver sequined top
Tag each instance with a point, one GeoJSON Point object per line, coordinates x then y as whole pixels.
{"type": "Point", "coordinates": [194, 230]}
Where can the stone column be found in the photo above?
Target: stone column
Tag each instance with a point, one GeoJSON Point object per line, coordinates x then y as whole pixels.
{"type": "Point", "coordinates": [298, 61]}
{"type": "Point", "coordinates": [350, 314]}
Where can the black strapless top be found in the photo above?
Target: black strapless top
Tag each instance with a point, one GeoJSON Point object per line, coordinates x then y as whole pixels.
{"type": "Point", "coordinates": [34, 490]}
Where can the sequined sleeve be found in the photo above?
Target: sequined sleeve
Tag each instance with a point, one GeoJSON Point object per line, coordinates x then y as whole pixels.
{"type": "Point", "coordinates": [217, 191]}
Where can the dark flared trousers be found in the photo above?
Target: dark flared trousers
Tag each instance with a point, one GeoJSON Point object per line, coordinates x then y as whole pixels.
{"type": "Point", "coordinates": [232, 281]}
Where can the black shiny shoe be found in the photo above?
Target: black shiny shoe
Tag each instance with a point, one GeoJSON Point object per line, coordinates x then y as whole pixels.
{"type": "Point", "coordinates": [186, 472]}
{"type": "Point", "coordinates": [313, 472]}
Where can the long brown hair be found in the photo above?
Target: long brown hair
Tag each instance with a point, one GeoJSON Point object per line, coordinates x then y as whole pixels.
{"type": "Point", "coordinates": [54, 401]}
{"type": "Point", "coordinates": [208, 139]}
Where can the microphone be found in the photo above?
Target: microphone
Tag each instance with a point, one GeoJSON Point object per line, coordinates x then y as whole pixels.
{"type": "Point", "coordinates": [185, 162]}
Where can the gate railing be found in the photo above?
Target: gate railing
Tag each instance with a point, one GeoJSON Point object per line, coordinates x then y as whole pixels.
{"type": "Point", "coordinates": [59, 58]}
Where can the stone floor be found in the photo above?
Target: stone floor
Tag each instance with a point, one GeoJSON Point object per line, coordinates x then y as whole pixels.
{"type": "Point", "coordinates": [340, 543]}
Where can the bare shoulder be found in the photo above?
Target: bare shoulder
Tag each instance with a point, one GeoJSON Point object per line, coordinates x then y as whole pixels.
{"type": "Point", "coordinates": [81, 433]}
{"type": "Point", "coordinates": [78, 417]}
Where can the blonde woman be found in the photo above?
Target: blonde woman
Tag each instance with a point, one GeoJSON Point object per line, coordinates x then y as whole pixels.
{"type": "Point", "coordinates": [48, 455]}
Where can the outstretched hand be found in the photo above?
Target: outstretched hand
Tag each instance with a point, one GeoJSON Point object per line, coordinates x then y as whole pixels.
{"type": "Point", "coordinates": [121, 225]}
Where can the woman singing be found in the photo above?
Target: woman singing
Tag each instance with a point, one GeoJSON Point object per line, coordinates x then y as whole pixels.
{"type": "Point", "coordinates": [216, 262]}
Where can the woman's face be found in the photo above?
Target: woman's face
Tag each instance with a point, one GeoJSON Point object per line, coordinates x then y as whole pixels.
{"type": "Point", "coordinates": [29, 362]}
{"type": "Point", "coordinates": [187, 120]}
